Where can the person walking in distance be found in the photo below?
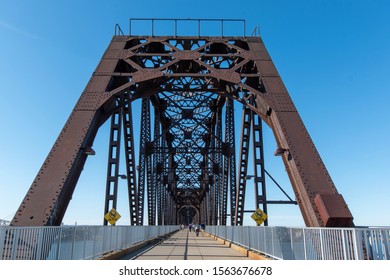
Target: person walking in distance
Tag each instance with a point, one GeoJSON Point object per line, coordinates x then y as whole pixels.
{"type": "Point", "coordinates": [197, 229]}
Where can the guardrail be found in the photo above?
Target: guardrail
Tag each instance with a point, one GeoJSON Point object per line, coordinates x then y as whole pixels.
{"type": "Point", "coordinates": [4, 223]}
{"type": "Point", "coordinates": [72, 242]}
{"type": "Point", "coordinates": [310, 243]}
{"type": "Point", "coordinates": [185, 27]}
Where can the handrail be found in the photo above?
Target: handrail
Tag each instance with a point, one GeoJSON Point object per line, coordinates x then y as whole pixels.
{"type": "Point", "coordinates": [256, 31]}
{"type": "Point", "coordinates": [73, 242]}
{"type": "Point", "coordinates": [200, 23]}
{"type": "Point", "coordinates": [118, 30]}
{"type": "Point", "coordinates": [309, 243]}
{"type": "Point", "coordinates": [4, 222]}
{"type": "Point", "coordinates": [177, 20]}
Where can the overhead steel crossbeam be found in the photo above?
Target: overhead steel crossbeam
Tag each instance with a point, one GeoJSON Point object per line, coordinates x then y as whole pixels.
{"type": "Point", "coordinates": [188, 158]}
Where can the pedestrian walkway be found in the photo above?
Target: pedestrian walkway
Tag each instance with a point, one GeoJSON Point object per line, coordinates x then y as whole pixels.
{"type": "Point", "coordinates": [185, 245]}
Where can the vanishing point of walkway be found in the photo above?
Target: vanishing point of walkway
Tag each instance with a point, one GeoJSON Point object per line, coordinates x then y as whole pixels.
{"type": "Point", "coordinates": [185, 245]}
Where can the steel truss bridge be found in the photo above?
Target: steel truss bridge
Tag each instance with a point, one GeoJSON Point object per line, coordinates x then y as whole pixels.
{"type": "Point", "coordinates": [187, 169]}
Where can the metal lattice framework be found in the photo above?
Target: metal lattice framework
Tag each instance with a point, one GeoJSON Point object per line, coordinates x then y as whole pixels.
{"type": "Point", "coordinates": [187, 161]}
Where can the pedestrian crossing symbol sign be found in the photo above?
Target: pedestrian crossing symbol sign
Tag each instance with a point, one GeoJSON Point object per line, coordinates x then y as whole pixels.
{"type": "Point", "coordinates": [259, 216]}
{"type": "Point", "coordinates": [112, 216]}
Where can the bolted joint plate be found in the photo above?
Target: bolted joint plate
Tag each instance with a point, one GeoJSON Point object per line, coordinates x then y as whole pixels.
{"type": "Point", "coordinates": [226, 75]}
{"type": "Point", "coordinates": [187, 55]}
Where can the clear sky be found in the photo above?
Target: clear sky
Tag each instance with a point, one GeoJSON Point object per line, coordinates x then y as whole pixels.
{"type": "Point", "coordinates": [333, 57]}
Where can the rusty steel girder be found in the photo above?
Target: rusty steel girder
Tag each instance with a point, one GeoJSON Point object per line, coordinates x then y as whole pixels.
{"type": "Point", "coordinates": [213, 68]}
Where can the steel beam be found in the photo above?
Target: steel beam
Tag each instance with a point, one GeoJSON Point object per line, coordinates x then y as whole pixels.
{"type": "Point", "coordinates": [232, 163]}
{"type": "Point", "coordinates": [128, 135]}
{"type": "Point", "coordinates": [243, 164]}
{"type": "Point", "coordinates": [191, 75]}
{"type": "Point", "coordinates": [258, 165]}
{"type": "Point", "coordinates": [113, 163]}
{"type": "Point", "coordinates": [143, 166]}
{"type": "Point", "coordinates": [217, 168]}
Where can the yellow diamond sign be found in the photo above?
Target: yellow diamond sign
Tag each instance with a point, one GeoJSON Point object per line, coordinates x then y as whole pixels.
{"type": "Point", "coordinates": [112, 216]}
{"type": "Point", "coordinates": [259, 216]}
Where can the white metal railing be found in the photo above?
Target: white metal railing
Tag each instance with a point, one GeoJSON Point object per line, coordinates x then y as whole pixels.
{"type": "Point", "coordinates": [72, 242]}
{"type": "Point", "coordinates": [310, 243]}
{"type": "Point", "coordinates": [4, 223]}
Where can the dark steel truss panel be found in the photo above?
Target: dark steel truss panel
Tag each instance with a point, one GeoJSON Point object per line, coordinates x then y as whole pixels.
{"type": "Point", "coordinates": [144, 160]}
{"type": "Point", "coordinates": [258, 165]}
{"type": "Point", "coordinates": [243, 164]}
{"type": "Point", "coordinates": [128, 135]}
{"type": "Point", "coordinates": [188, 170]}
{"type": "Point", "coordinates": [113, 163]}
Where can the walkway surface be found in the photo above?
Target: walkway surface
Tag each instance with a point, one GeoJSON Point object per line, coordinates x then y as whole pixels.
{"type": "Point", "coordinates": [185, 245]}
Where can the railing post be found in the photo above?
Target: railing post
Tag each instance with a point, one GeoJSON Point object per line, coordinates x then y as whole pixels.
{"type": "Point", "coordinates": [273, 242]}
{"type": "Point", "coordinates": [94, 242]}
{"type": "Point", "coordinates": [73, 243]}
{"type": "Point", "coordinates": [2, 241]}
{"type": "Point", "coordinates": [41, 233]}
{"type": "Point", "coordinates": [85, 242]}
{"type": "Point", "coordinates": [344, 244]}
{"type": "Point", "coordinates": [116, 239]}
{"type": "Point", "coordinates": [15, 242]}
{"type": "Point", "coordinates": [59, 244]}
{"type": "Point", "coordinates": [386, 238]}
{"type": "Point", "coordinates": [249, 238]}
{"type": "Point", "coordinates": [321, 244]}
{"type": "Point", "coordinates": [103, 238]}
{"type": "Point", "coordinates": [355, 244]}
{"type": "Point", "coordinates": [304, 244]}
{"type": "Point", "coordinates": [266, 230]}
{"type": "Point", "coordinates": [111, 229]}
{"type": "Point", "coordinates": [292, 242]}
{"type": "Point", "coordinates": [232, 234]}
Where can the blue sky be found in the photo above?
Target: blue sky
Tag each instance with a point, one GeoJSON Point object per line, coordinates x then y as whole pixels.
{"type": "Point", "coordinates": [333, 57]}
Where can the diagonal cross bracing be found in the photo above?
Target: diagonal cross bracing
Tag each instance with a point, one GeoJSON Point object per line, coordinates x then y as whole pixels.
{"type": "Point", "coordinates": [189, 81]}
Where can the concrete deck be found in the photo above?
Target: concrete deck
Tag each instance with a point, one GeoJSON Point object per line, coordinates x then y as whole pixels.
{"type": "Point", "coordinates": [185, 245]}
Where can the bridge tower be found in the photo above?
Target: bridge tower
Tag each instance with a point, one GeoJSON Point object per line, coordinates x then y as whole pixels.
{"type": "Point", "coordinates": [188, 170]}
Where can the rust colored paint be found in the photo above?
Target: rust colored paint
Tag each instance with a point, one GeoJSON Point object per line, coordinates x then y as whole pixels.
{"type": "Point", "coordinates": [122, 69]}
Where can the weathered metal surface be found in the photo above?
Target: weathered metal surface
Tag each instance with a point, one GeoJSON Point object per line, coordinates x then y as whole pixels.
{"type": "Point", "coordinates": [113, 163]}
{"type": "Point", "coordinates": [332, 209]}
{"type": "Point", "coordinates": [243, 164]}
{"type": "Point", "coordinates": [188, 80]}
